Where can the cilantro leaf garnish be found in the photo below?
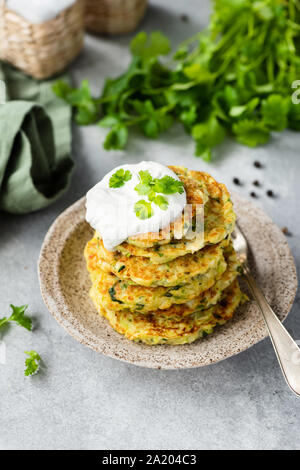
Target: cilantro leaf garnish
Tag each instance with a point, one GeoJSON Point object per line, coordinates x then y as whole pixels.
{"type": "Point", "coordinates": [18, 316]}
{"type": "Point", "coordinates": [168, 185]}
{"type": "Point", "coordinates": [146, 183]}
{"type": "Point", "coordinates": [143, 209]}
{"type": "Point", "coordinates": [164, 185]}
{"type": "Point", "coordinates": [32, 363]}
{"type": "Point", "coordinates": [119, 178]}
{"type": "Point", "coordinates": [161, 202]}
{"type": "Point", "coordinates": [149, 186]}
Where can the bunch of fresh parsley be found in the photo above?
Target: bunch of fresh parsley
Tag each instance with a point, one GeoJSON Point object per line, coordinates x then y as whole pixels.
{"type": "Point", "coordinates": [233, 78]}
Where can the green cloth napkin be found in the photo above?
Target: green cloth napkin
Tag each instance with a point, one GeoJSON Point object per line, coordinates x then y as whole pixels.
{"type": "Point", "coordinates": [35, 143]}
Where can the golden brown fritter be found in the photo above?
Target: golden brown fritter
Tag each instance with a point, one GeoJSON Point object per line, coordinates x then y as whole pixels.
{"type": "Point", "coordinates": [141, 271]}
{"type": "Point", "coordinates": [155, 329]}
{"type": "Point", "coordinates": [115, 294]}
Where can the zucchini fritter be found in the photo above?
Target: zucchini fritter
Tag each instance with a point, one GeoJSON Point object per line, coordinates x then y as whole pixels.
{"type": "Point", "coordinates": [219, 218]}
{"type": "Point", "coordinates": [155, 329]}
{"type": "Point", "coordinates": [115, 294]}
{"type": "Point", "coordinates": [141, 271]}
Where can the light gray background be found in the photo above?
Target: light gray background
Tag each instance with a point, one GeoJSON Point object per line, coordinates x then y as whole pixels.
{"type": "Point", "coordinates": [85, 401]}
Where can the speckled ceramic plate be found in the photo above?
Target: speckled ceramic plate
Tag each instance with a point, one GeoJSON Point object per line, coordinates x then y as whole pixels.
{"type": "Point", "coordinates": [65, 288]}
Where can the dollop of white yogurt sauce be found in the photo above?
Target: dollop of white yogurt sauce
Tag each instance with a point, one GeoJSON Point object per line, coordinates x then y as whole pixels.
{"type": "Point", "coordinates": [110, 211]}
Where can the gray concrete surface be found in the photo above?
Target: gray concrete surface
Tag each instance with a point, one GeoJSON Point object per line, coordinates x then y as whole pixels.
{"type": "Point", "coordinates": [82, 400]}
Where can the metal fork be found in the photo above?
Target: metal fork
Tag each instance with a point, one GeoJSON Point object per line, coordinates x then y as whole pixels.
{"type": "Point", "coordinates": [282, 342]}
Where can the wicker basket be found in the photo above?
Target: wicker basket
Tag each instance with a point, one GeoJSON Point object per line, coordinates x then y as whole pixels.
{"type": "Point", "coordinates": [114, 16]}
{"type": "Point", "coordinates": [41, 50]}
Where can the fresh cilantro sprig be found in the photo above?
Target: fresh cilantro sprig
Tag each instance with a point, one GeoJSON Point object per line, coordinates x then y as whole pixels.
{"type": "Point", "coordinates": [87, 108]}
{"type": "Point", "coordinates": [232, 79]}
{"type": "Point", "coordinates": [150, 187]}
{"type": "Point", "coordinates": [32, 363]}
{"type": "Point", "coordinates": [165, 185]}
{"type": "Point", "coordinates": [119, 178]}
{"type": "Point", "coordinates": [143, 209]}
{"type": "Point", "coordinates": [18, 316]}
{"type": "Point", "coordinates": [168, 185]}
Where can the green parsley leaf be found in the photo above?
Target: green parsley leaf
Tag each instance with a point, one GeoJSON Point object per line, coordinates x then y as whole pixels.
{"type": "Point", "coordinates": [116, 138]}
{"type": "Point", "coordinates": [251, 133]}
{"type": "Point", "coordinates": [151, 195]}
{"type": "Point", "coordinates": [168, 185]}
{"type": "Point", "coordinates": [198, 73]}
{"type": "Point", "coordinates": [274, 111]}
{"type": "Point", "coordinates": [18, 316]}
{"type": "Point", "coordinates": [189, 116]}
{"type": "Point", "coordinates": [294, 116]}
{"type": "Point", "coordinates": [87, 108]}
{"type": "Point", "coordinates": [145, 186]}
{"type": "Point", "coordinates": [109, 121]}
{"type": "Point", "coordinates": [143, 209]}
{"type": "Point", "coordinates": [161, 202]}
{"type": "Point", "coordinates": [145, 176]}
{"type": "Point", "coordinates": [61, 89]}
{"type": "Point", "coordinates": [209, 132]}
{"type": "Point", "coordinates": [150, 187]}
{"type": "Point", "coordinates": [202, 151]}
{"type": "Point", "coordinates": [32, 363]}
{"type": "Point", "coordinates": [119, 178]}
{"type": "Point", "coordinates": [150, 46]}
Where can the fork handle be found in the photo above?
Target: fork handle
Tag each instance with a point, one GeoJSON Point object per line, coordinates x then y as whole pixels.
{"type": "Point", "coordinates": [286, 349]}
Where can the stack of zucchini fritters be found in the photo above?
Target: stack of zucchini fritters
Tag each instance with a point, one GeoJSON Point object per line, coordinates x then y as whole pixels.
{"type": "Point", "coordinates": [161, 290]}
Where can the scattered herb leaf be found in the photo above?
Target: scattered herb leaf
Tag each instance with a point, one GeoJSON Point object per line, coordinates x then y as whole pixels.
{"type": "Point", "coordinates": [18, 316]}
{"type": "Point", "coordinates": [149, 186]}
{"type": "Point", "coordinates": [143, 209]}
{"type": "Point", "coordinates": [119, 178]}
{"type": "Point", "coordinates": [32, 363]}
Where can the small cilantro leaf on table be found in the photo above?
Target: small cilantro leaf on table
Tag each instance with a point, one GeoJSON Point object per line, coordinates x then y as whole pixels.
{"type": "Point", "coordinates": [119, 178]}
{"type": "Point", "coordinates": [32, 363]}
{"type": "Point", "coordinates": [18, 316]}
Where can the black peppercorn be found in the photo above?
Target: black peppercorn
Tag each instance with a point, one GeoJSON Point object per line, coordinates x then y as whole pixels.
{"type": "Point", "coordinates": [286, 231]}
{"type": "Point", "coordinates": [236, 181]}
{"type": "Point", "coordinates": [184, 18]}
